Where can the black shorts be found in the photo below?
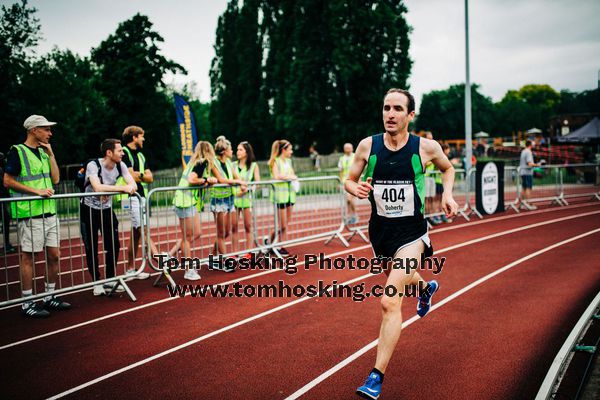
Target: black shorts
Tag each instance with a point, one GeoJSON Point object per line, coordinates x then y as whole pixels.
{"type": "Point", "coordinates": [387, 239]}
{"type": "Point", "coordinates": [439, 188]}
{"type": "Point", "coordinates": [283, 206]}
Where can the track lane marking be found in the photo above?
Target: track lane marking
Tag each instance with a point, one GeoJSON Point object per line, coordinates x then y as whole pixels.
{"type": "Point", "coordinates": [304, 389]}
{"type": "Point", "coordinates": [157, 302]}
{"type": "Point", "coordinates": [303, 299]}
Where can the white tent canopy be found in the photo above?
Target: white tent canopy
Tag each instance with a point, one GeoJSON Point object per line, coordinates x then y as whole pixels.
{"type": "Point", "coordinates": [534, 131]}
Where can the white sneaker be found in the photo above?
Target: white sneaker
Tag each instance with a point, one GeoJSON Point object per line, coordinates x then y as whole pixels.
{"type": "Point", "coordinates": [140, 276]}
{"type": "Point", "coordinates": [109, 286]}
{"type": "Point", "coordinates": [99, 290]}
{"type": "Point", "coordinates": [191, 275]}
{"type": "Point", "coordinates": [527, 206]}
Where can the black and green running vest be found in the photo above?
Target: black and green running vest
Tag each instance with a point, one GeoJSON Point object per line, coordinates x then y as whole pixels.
{"type": "Point", "coordinates": [398, 195]}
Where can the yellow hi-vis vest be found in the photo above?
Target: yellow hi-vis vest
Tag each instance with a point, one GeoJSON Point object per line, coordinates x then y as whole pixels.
{"type": "Point", "coordinates": [142, 164]}
{"type": "Point", "coordinates": [247, 175]}
{"type": "Point", "coordinates": [185, 198]}
{"type": "Point", "coordinates": [223, 192]}
{"type": "Point", "coordinates": [121, 180]}
{"type": "Point", "coordinates": [283, 193]}
{"type": "Point", "coordinates": [345, 163]}
{"type": "Point", "coordinates": [35, 173]}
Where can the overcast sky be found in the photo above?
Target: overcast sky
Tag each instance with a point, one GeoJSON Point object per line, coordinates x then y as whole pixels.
{"type": "Point", "coordinates": [513, 42]}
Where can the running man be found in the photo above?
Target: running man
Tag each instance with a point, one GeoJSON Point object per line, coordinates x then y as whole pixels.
{"type": "Point", "coordinates": [394, 184]}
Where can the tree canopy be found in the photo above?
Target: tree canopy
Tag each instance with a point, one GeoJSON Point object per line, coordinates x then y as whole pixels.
{"type": "Point", "coordinates": [91, 98]}
{"type": "Point", "coordinates": [311, 72]}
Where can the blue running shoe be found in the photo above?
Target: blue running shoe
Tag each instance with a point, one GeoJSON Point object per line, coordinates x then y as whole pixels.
{"type": "Point", "coordinates": [372, 387]}
{"type": "Point", "coordinates": [424, 303]}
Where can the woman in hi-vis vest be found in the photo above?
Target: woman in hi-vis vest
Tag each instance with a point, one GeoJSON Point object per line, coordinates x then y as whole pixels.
{"type": "Point", "coordinates": [222, 199]}
{"type": "Point", "coordinates": [185, 202]}
{"type": "Point", "coordinates": [247, 169]}
{"type": "Point", "coordinates": [283, 194]}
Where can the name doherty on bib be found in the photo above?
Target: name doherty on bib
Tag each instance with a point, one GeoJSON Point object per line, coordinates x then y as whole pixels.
{"type": "Point", "coordinates": [394, 198]}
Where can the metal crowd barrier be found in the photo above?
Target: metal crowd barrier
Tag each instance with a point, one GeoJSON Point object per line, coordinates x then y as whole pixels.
{"type": "Point", "coordinates": [460, 192]}
{"type": "Point", "coordinates": [580, 180]}
{"type": "Point", "coordinates": [511, 187]}
{"type": "Point", "coordinates": [73, 274]}
{"type": "Point", "coordinates": [317, 213]}
{"type": "Point", "coordinates": [547, 187]}
{"type": "Point", "coordinates": [554, 184]}
{"type": "Point", "coordinates": [165, 228]}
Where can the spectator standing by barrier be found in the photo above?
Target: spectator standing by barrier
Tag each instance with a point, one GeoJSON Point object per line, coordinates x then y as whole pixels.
{"type": "Point", "coordinates": [196, 173]}
{"type": "Point", "coordinates": [247, 169]}
{"type": "Point", "coordinates": [222, 199]}
{"type": "Point", "coordinates": [344, 164]}
{"type": "Point", "coordinates": [283, 194]}
{"type": "Point", "coordinates": [97, 215]}
{"type": "Point", "coordinates": [526, 166]}
{"type": "Point", "coordinates": [31, 170]}
{"type": "Point", "coordinates": [134, 138]}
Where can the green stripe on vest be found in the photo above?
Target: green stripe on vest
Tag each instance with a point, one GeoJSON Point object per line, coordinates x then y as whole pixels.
{"type": "Point", "coordinates": [419, 179]}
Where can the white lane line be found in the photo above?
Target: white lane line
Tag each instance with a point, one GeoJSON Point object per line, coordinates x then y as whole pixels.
{"type": "Point", "coordinates": [151, 274]}
{"type": "Point", "coordinates": [253, 318]}
{"type": "Point", "coordinates": [157, 302]}
{"type": "Point", "coordinates": [446, 300]}
{"type": "Point", "coordinates": [505, 217]}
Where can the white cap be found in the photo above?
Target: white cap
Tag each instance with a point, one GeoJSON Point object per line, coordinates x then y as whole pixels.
{"type": "Point", "coordinates": [36, 120]}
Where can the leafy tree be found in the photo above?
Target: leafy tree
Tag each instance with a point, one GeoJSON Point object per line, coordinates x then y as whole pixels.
{"type": "Point", "coordinates": [19, 35]}
{"type": "Point", "coordinates": [587, 101]}
{"type": "Point", "coordinates": [131, 69]}
{"type": "Point", "coordinates": [530, 106]}
{"type": "Point", "coordinates": [309, 71]}
{"type": "Point", "coordinates": [543, 102]}
{"type": "Point", "coordinates": [443, 112]}
{"type": "Point", "coordinates": [61, 86]}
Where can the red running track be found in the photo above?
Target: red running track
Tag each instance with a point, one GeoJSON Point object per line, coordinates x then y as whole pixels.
{"type": "Point", "coordinates": [494, 341]}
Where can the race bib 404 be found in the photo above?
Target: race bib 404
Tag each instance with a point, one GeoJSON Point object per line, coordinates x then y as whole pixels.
{"type": "Point", "coordinates": [394, 199]}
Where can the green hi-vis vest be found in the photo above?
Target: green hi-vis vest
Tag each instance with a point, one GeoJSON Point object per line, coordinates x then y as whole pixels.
{"type": "Point", "coordinates": [283, 193]}
{"type": "Point", "coordinates": [142, 164]}
{"type": "Point", "coordinates": [345, 163]}
{"type": "Point", "coordinates": [121, 180]}
{"type": "Point", "coordinates": [428, 172]}
{"type": "Point", "coordinates": [247, 175]}
{"type": "Point", "coordinates": [223, 192]}
{"type": "Point", "coordinates": [186, 198]}
{"type": "Point", "coordinates": [35, 173]}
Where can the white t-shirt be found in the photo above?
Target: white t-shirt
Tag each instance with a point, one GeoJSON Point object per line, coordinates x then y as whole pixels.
{"type": "Point", "coordinates": [109, 177]}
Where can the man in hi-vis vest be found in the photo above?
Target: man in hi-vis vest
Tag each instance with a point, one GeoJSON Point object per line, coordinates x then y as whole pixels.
{"type": "Point", "coordinates": [31, 170]}
{"type": "Point", "coordinates": [134, 137]}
